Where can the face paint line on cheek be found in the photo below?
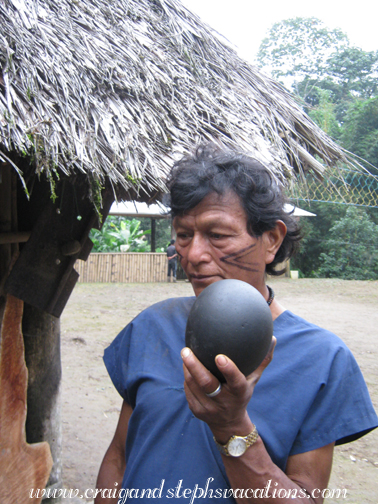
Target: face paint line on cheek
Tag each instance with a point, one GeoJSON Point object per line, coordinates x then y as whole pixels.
{"type": "Point", "coordinates": [239, 253]}
{"type": "Point", "coordinates": [241, 266]}
{"type": "Point", "coordinates": [235, 259]}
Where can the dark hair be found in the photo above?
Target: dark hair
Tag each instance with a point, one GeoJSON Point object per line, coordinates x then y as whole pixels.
{"type": "Point", "coordinates": [214, 169]}
{"type": "Point", "coordinates": [172, 241]}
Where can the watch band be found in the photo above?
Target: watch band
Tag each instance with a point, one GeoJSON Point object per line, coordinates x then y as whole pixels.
{"type": "Point", "coordinates": [244, 443]}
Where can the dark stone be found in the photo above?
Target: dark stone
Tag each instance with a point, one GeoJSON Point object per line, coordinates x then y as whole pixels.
{"type": "Point", "coordinates": [230, 317]}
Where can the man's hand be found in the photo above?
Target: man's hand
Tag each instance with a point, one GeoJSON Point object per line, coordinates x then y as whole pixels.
{"type": "Point", "coordinates": [226, 413]}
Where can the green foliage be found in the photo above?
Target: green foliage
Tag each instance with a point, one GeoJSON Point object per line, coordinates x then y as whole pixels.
{"type": "Point", "coordinates": [315, 231]}
{"type": "Point", "coordinates": [351, 252]}
{"type": "Point", "coordinates": [120, 235]}
{"type": "Point", "coordinates": [324, 114]}
{"type": "Point", "coordinates": [162, 232]}
{"type": "Point", "coordinates": [360, 129]}
{"type": "Point", "coordinates": [340, 242]}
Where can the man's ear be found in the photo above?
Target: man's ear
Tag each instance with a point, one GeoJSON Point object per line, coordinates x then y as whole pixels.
{"type": "Point", "coordinates": [273, 239]}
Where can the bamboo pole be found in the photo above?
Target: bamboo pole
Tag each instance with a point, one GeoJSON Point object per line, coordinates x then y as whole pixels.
{"type": "Point", "coordinates": [127, 266]}
{"type": "Point", "coordinates": [97, 270]}
{"type": "Point", "coordinates": [106, 260]}
{"type": "Point", "coordinates": [113, 268]}
{"type": "Point", "coordinates": [138, 269]}
{"type": "Point", "coordinates": [92, 269]}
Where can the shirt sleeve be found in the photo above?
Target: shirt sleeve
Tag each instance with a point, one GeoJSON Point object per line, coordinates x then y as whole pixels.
{"type": "Point", "coordinates": [116, 360]}
{"type": "Point", "coordinates": [342, 410]}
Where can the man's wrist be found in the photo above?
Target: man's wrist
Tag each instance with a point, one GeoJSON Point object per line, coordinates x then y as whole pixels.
{"type": "Point", "coordinates": [223, 433]}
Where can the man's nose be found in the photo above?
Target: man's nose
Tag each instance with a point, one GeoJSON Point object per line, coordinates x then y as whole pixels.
{"type": "Point", "coordinates": [198, 250]}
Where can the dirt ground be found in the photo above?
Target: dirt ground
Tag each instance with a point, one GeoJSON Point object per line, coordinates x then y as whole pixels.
{"type": "Point", "coordinates": [97, 312]}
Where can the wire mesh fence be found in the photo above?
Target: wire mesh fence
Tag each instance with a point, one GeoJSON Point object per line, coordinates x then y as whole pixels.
{"type": "Point", "coordinates": [338, 186]}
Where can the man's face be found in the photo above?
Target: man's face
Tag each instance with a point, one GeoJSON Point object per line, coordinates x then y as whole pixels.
{"type": "Point", "coordinates": [213, 244]}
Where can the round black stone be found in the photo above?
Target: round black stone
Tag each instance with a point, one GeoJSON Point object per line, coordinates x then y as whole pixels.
{"type": "Point", "coordinates": [230, 317]}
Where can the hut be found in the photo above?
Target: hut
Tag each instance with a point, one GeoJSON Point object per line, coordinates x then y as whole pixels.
{"type": "Point", "coordinates": [97, 99]}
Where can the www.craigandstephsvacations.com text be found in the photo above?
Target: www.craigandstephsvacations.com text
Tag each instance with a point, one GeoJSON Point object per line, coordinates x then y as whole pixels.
{"type": "Point", "coordinates": [190, 495]}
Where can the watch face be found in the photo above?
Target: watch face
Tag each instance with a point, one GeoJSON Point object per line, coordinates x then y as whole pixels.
{"type": "Point", "coordinates": [237, 446]}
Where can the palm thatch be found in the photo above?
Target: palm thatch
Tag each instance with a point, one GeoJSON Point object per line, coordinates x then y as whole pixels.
{"type": "Point", "coordinates": [114, 89]}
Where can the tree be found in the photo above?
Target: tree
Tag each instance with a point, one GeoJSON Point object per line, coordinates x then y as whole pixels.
{"type": "Point", "coordinates": [310, 57]}
{"type": "Point", "coordinates": [351, 252]}
{"type": "Point", "coordinates": [352, 74]}
{"type": "Point", "coordinates": [300, 48]}
{"type": "Point", "coordinates": [324, 114]}
{"type": "Point", "coordinates": [355, 70]}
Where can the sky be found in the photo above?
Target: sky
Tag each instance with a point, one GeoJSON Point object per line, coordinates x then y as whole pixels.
{"type": "Point", "coordinates": [246, 22]}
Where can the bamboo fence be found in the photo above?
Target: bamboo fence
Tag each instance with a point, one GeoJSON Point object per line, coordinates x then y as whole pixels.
{"type": "Point", "coordinates": [143, 267]}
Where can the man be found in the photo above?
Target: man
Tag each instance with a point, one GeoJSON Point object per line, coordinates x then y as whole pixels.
{"type": "Point", "coordinates": [268, 436]}
{"type": "Point", "coordinates": [172, 260]}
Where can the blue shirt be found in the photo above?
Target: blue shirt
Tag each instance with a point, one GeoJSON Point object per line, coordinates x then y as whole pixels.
{"type": "Point", "coordinates": [310, 395]}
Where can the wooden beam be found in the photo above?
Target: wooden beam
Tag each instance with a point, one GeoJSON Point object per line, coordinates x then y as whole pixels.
{"type": "Point", "coordinates": [21, 237]}
{"type": "Point", "coordinates": [44, 273]}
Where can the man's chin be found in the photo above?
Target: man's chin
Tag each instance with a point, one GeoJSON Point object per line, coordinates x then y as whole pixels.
{"type": "Point", "coordinates": [200, 284]}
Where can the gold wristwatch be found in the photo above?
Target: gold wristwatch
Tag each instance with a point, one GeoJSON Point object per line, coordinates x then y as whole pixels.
{"type": "Point", "coordinates": [236, 446]}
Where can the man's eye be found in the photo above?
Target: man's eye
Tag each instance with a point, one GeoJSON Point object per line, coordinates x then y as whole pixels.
{"type": "Point", "coordinates": [217, 236]}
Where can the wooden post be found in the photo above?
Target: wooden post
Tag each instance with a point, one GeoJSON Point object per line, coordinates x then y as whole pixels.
{"type": "Point", "coordinates": [153, 235]}
{"type": "Point", "coordinates": [42, 355]}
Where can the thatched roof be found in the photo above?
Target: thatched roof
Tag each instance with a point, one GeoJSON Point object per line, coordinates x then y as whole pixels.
{"type": "Point", "coordinates": [116, 88]}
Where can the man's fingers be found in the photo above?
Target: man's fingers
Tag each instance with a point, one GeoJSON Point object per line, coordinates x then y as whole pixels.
{"type": "Point", "coordinates": [269, 356]}
{"type": "Point", "coordinates": [196, 375]}
{"type": "Point", "coordinates": [191, 390]}
{"type": "Point", "coordinates": [234, 377]}
{"type": "Point", "coordinates": [256, 375]}
{"type": "Point", "coordinates": [201, 377]}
